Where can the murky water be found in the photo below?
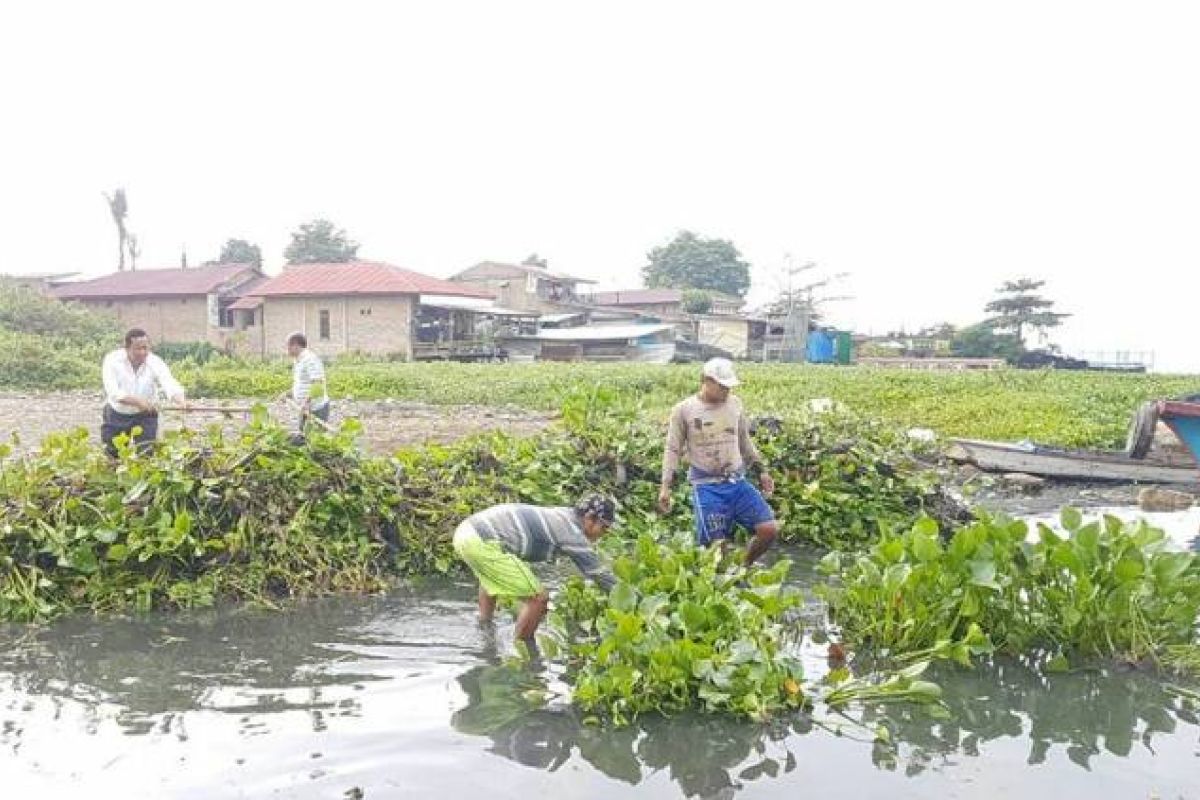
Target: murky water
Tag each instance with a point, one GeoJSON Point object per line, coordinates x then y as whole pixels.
{"type": "Point", "coordinates": [405, 696]}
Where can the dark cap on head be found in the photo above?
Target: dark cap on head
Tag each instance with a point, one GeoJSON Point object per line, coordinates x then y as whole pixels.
{"type": "Point", "coordinates": [601, 507]}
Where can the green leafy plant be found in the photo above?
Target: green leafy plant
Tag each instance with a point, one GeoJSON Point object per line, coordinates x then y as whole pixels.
{"type": "Point", "coordinates": [1107, 589]}
{"type": "Point", "coordinates": [683, 628]}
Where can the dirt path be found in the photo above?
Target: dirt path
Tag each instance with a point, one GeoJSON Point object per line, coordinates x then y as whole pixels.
{"type": "Point", "coordinates": [387, 425]}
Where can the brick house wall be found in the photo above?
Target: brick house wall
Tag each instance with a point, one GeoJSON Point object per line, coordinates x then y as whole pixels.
{"type": "Point", "coordinates": [369, 324]}
{"type": "Point", "coordinates": [165, 319]}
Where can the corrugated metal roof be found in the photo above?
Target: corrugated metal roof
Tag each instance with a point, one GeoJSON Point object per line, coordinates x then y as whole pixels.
{"type": "Point", "coordinates": [155, 282]}
{"type": "Point", "coordinates": [648, 296]}
{"type": "Point", "coordinates": [598, 333]}
{"type": "Point", "coordinates": [637, 297]}
{"type": "Point", "coordinates": [478, 305]}
{"type": "Point", "coordinates": [248, 288]}
{"type": "Point", "coordinates": [360, 277]}
{"type": "Point", "coordinates": [493, 266]}
{"type": "Point", "coordinates": [554, 319]}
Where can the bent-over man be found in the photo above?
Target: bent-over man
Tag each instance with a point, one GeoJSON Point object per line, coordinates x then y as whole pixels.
{"type": "Point", "coordinates": [499, 542]}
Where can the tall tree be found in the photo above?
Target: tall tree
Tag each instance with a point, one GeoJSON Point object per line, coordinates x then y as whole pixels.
{"type": "Point", "coordinates": [135, 250]}
{"type": "Point", "coordinates": [320, 242]}
{"type": "Point", "coordinates": [982, 341]}
{"type": "Point", "coordinates": [534, 260]}
{"type": "Point", "coordinates": [1019, 308]}
{"type": "Point", "coordinates": [118, 206]}
{"type": "Point", "coordinates": [691, 262]}
{"type": "Point", "coordinates": [696, 301]}
{"type": "Point", "coordinates": [239, 251]}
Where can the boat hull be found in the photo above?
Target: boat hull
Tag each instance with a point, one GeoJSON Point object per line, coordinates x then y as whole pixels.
{"type": "Point", "coordinates": [1184, 421]}
{"type": "Point", "coordinates": [1068, 464]}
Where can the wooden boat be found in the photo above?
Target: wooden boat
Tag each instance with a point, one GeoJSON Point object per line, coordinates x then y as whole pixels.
{"type": "Point", "coordinates": [1070, 464]}
{"type": "Point", "coordinates": [1183, 418]}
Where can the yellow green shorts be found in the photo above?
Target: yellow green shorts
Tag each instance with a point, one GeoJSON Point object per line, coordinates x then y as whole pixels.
{"type": "Point", "coordinates": [501, 574]}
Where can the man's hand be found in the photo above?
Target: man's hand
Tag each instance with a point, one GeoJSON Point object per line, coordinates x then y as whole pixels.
{"type": "Point", "coordinates": [768, 484]}
{"type": "Point", "coordinates": [665, 501]}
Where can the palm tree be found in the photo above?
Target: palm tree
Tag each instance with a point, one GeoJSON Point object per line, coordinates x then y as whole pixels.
{"type": "Point", "coordinates": [120, 209]}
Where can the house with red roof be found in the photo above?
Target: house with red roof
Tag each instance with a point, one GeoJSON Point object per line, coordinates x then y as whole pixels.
{"type": "Point", "coordinates": [172, 305]}
{"type": "Point", "coordinates": [365, 307]}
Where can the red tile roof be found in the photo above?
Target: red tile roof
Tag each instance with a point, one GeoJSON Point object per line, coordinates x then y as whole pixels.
{"type": "Point", "coordinates": [154, 282]}
{"type": "Point", "coordinates": [250, 287]}
{"type": "Point", "coordinates": [247, 303]}
{"type": "Point", "coordinates": [360, 277]}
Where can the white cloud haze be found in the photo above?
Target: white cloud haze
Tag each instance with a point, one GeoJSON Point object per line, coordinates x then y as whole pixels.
{"type": "Point", "coordinates": [930, 149]}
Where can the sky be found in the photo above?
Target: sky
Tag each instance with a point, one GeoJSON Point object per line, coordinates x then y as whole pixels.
{"type": "Point", "coordinates": [929, 150]}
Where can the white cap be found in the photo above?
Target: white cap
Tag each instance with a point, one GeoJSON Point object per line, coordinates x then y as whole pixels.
{"type": "Point", "coordinates": [721, 371]}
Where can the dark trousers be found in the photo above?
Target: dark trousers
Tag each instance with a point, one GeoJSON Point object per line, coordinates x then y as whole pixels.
{"type": "Point", "coordinates": [321, 413]}
{"type": "Point", "coordinates": [115, 423]}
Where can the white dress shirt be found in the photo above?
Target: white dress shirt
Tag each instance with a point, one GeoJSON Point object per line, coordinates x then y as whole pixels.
{"type": "Point", "coordinates": [122, 380]}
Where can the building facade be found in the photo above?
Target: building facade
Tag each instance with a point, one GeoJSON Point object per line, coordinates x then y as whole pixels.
{"type": "Point", "coordinates": [171, 305]}
{"type": "Point", "coordinates": [366, 307]}
{"type": "Point", "coordinates": [523, 287]}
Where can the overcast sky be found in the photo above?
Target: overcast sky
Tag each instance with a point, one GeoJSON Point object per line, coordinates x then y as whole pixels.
{"type": "Point", "coordinates": [931, 150]}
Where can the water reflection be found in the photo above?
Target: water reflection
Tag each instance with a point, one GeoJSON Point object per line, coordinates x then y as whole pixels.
{"type": "Point", "coordinates": [1082, 716]}
{"type": "Point", "coordinates": [146, 673]}
{"type": "Point", "coordinates": [705, 756]}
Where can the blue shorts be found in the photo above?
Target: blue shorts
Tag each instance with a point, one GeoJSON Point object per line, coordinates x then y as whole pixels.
{"type": "Point", "coordinates": [720, 506]}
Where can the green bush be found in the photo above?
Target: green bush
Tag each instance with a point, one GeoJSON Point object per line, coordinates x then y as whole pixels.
{"type": "Point", "coordinates": [199, 353]}
{"type": "Point", "coordinates": [48, 344]}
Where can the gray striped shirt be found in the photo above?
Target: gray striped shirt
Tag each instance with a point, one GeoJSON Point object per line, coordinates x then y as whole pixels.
{"type": "Point", "coordinates": [537, 533]}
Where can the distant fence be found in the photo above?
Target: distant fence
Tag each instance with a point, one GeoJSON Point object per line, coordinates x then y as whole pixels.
{"type": "Point", "coordinates": [1119, 359]}
{"type": "Point", "coordinates": [934, 363]}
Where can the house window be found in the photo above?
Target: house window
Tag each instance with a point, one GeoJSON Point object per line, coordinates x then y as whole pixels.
{"type": "Point", "coordinates": [323, 316]}
{"type": "Point", "coordinates": [225, 314]}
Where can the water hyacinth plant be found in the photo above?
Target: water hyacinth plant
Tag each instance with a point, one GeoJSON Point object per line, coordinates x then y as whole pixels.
{"type": "Point", "coordinates": [1106, 589]}
{"type": "Point", "coordinates": [683, 628]}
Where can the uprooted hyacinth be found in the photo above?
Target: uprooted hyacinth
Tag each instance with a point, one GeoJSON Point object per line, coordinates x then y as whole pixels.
{"type": "Point", "coordinates": [683, 628]}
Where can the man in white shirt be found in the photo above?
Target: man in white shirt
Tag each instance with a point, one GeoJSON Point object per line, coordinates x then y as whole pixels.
{"type": "Point", "coordinates": [133, 379]}
{"type": "Point", "coordinates": [309, 391]}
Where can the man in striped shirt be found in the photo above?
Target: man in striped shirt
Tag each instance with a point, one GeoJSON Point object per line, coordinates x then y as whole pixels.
{"type": "Point", "coordinates": [499, 542]}
{"type": "Point", "coordinates": [308, 381]}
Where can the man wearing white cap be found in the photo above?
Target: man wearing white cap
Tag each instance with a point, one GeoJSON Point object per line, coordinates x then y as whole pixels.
{"type": "Point", "coordinates": [710, 429]}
